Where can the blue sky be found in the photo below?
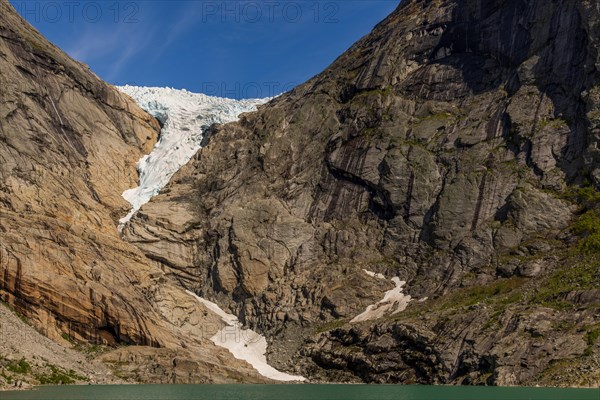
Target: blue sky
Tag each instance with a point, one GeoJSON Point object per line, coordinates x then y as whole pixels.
{"type": "Point", "coordinates": [234, 49]}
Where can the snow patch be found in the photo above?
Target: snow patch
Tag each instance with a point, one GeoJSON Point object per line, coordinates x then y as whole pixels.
{"type": "Point", "coordinates": [185, 116]}
{"type": "Point", "coordinates": [374, 274]}
{"type": "Point", "coordinates": [229, 319]}
{"type": "Point", "coordinates": [244, 344]}
{"type": "Point", "coordinates": [392, 303]}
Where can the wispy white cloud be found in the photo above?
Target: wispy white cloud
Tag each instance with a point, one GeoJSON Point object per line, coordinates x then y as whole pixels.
{"type": "Point", "coordinates": [119, 43]}
{"type": "Point", "coordinates": [188, 16]}
{"type": "Point", "coordinates": [122, 42]}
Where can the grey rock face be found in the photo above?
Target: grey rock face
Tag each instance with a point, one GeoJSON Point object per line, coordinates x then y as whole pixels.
{"type": "Point", "coordinates": [455, 352]}
{"type": "Point", "coordinates": [433, 145]}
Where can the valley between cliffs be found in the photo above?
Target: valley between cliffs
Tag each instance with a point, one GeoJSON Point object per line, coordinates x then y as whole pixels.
{"type": "Point", "coordinates": [426, 210]}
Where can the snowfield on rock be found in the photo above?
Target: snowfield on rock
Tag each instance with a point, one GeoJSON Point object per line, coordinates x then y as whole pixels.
{"type": "Point", "coordinates": [185, 116]}
{"type": "Point", "coordinates": [393, 302]}
{"type": "Point", "coordinates": [373, 274]}
{"type": "Point", "coordinates": [244, 344]}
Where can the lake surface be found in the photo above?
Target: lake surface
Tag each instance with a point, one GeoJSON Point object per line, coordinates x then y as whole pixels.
{"type": "Point", "coordinates": [297, 392]}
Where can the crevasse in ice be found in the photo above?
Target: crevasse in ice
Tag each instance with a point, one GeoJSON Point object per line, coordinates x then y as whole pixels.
{"type": "Point", "coordinates": [185, 116]}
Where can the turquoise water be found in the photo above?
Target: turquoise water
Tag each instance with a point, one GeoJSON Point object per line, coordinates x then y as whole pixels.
{"type": "Point", "coordinates": [297, 392]}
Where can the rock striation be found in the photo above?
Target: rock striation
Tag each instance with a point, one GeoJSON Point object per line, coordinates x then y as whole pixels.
{"type": "Point", "coordinates": [68, 147]}
{"type": "Point", "coordinates": [454, 148]}
{"type": "Point", "coordinates": [437, 149]}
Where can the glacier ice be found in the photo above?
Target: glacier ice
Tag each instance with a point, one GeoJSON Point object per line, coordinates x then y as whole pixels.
{"type": "Point", "coordinates": [185, 116]}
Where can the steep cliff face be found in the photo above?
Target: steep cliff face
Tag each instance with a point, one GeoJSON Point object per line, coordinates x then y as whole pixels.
{"type": "Point", "coordinates": [440, 148]}
{"type": "Point", "coordinates": [68, 148]}
{"type": "Point", "coordinates": [67, 140]}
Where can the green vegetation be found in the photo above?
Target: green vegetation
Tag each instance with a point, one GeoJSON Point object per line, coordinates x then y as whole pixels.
{"type": "Point", "coordinates": [383, 92]}
{"type": "Point", "coordinates": [502, 291]}
{"type": "Point", "coordinates": [563, 326]}
{"type": "Point", "coordinates": [48, 375]}
{"type": "Point", "coordinates": [58, 376]}
{"type": "Point", "coordinates": [338, 323]}
{"type": "Point", "coordinates": [399, 142]}
{"type": "Point", "coordinates": [567, 371]}
{"type": "Point", "coordinates": [581, 266]}
{"type": "Point", "coordinates": [498, 295]}
{"type": "Point", "coordinates": [591, 337]}
{"type": "Point", "coordinates": [6, 377]}
{"type": "Point", "coordinates": [494, 319]}
{"type": "Point", "coordinates": [555, 123]}
{"type": "Point", "coordinates": [68, 338]}
{"type": "Point", "coordinates": [91, 350]}
{"type": "Point", "coordinates": [586, 196]}
{"type": "Point", "coordinates": [369, 134]}
{"type": "Point", "coordinates": [19, 367]}
{"type": "Point", "coordinates": [588, 226]}
{"type": "Point", "coordinates": [580, 273]}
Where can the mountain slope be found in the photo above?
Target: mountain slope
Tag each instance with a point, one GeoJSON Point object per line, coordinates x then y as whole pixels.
{"type": "Point", "coordinates": [442, 149]}
{"type": "Point", "coordinates": [69, 144]}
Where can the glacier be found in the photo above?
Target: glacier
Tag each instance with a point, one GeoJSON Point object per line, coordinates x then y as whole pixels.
{"type": "Point", "coordinates": [184, 116]}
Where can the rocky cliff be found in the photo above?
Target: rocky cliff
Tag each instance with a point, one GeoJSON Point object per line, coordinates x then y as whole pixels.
{"type": "Point", "coordinates": [68, 147]}
{"type": "Point", "coordinates": [454, 147]}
